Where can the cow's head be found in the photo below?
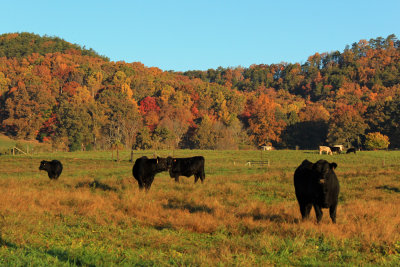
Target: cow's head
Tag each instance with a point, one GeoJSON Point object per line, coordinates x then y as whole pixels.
{"type": "Point", "coordinates": [170, 161]}
{"type": "Point", "coordinates": [44, 165]}
{"type": "Point", "coordinates": [323, 169]}
{"type": "Point", "coordinates": [163, 164]}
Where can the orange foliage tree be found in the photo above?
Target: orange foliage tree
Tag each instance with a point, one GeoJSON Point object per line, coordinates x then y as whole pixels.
{"type": "Point", "coordinates": [263, 125]}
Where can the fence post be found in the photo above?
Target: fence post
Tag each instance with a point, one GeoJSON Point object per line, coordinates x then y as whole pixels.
{"type": "Point", "coordinates": [131, 160]}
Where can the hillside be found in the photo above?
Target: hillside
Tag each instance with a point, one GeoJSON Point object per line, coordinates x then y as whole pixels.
{"type": "Point", "coordinates": [18, 45]}
{"type": "Point", "coordinates": [61, 94]}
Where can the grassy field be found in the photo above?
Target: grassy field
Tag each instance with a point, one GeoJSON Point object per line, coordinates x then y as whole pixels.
{"type": "Point", "coordinates": [94, 215]}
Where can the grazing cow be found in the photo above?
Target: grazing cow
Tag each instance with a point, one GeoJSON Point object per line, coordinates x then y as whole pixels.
{"type": "Point", "coordinates": [326, 149]}
{"type": "Point", "coordinates": [335, 149]}
{"type": "Point", "coordinates": [339, 146]}
{"type": "Point", "coordinates": [316, 185]}
{"type": "Point", "coordinates": [351, 150]}
{"type": "Point", "coordinates": [188, 167]}
{"type": "Point", "coordinates": [53, 168]}
{"type": "Point", "coordinates": [266, 148]}
{"type": "Point", "coordinates": [145, 169]}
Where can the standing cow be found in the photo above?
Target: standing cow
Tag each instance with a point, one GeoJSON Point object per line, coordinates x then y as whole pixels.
{"type": "Point", "coordinates": [53, 168]}
{"type": "Point", "coordinates": [316, 185]}
{"type": "Point", "coordinates": [188, 167]}
{"type": "Point", "coordinates": [145, 169]}
{"type": "Point", "coordinates": [326, 149]}
{"type": "Point", "coordinates": [335, 149]}
{"type": "Point", "coordinates": [351, 150]}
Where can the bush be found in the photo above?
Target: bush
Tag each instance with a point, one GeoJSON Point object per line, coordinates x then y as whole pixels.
{"type": "Point", "coordinates": [374, 141]}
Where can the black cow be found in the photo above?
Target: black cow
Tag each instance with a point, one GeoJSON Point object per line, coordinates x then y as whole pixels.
{"type": "Point", "coordinates": [351, 150]}
{"type": "Point", "coordinates": [188, 167]}
{"type": "Point", "coordinates": [53, 168]}
{"type": "Point", "coordinates": [145, 169]}
{"type": "Point", "coordinates": [335, 149]}
{"type": "Point", "coordinates": [316, 185]}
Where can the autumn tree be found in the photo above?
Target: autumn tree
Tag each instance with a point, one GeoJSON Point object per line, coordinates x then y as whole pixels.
{"type": "Point", "coordinates": [346, 126]}
{"type": "Point", "coordinates": [263, 126]}
{"type": "Point", "coordinates": [310, 131]}
{"type": "Point", "coordinates": [120, 112]}
{"type": "Point", "coordinates": [27, 108]}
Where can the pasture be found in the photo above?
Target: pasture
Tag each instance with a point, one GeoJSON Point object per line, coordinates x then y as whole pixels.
{"type": "Point", "coordinates": [94, 214]}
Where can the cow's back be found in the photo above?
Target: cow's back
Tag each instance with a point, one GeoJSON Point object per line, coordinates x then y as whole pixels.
{"type": "Point", "coordinates": [188, 166]}
{"type": "Point", "coordinates": [142, 167]}
{"type": "Point", "coordinates": [57, 167]}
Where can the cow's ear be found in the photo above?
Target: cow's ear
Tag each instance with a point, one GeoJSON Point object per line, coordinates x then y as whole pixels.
{"type": "Point", "coordinates": [174, 160]}
{"type": "Point", "coordinates": [333, 165]}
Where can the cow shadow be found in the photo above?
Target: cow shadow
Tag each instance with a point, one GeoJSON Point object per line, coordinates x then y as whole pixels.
{"type": "Point", "coordinates": [96, 185]}
{"type": "Point", "coordinates": [7, 244]}
{"type": "Point", "coordinates": [277, 218]}
{"type": "Point", "coordinates": [162, 226]}
{"type": "Point", "coordinates": [64, 256]}
{"type": "Point", "coordinates": [61, 255]}
{"type": "Point", "coordinates": [388, 188]}
{"type": "Point", "coordinates": [191, 207]}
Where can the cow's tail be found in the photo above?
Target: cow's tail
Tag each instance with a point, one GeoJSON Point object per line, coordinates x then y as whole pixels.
{"type": "Point", "coordinates": [203, 174]}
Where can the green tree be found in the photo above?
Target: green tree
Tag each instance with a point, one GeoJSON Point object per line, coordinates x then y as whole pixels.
{"type": "Point", "coordinates": [75, 124]}
{"type": "Point", "coordinates": [346, 126]}
{"type": "Point", "coordinates": [206, 135]}
{"type": "Point", "coordinates": [376, 141]}
{"type": "Point", "coordinates": [143, 139]}
{"type": "Point", "coordinates": [384, 117]}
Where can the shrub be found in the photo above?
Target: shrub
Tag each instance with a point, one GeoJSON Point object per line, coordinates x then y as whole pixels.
{"type": "Point", "coordinates": [376, 140]}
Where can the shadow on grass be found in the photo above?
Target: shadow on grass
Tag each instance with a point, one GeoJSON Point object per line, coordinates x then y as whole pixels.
{"type": "Point", "coordinates": [96, 185]}
{"type": "Point", "coordinates": [163, 226]}
{"type": "Point", "coordinates": [4, 243]}
{"type": "Point", "coordinates": [191, 207]}
{"type": "Point", "coordinates": [389, 188]}
{"type": "Point", "coordinates": [63, 256]}
{"type": "Point", "coordinates": [278, 218]}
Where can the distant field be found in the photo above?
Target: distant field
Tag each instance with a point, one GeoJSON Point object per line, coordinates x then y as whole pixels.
{"type": "Point", "coordinates": [6, 144]}
{"type": "Point", "coordinates": [245, 216]}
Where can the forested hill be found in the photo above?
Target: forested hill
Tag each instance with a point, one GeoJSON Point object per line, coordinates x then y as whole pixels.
{"type": "Point", "coordinates": [369, 64]}
{"type": "Point", "coordinates": [17, 45]}
{"type": "Point", "coordinates": [73, 98]}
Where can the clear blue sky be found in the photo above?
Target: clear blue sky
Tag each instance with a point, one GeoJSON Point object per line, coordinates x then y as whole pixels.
{"type": "Point", "coordinates": [198, 35]}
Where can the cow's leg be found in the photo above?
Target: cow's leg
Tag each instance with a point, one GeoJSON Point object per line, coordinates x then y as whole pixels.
{"type": "Point", "coordinates": [332, 212]}
{"type": "Point", "coordinates": [202, 176]}
{"type": "Point", "coordinates": [148, 183]}
{"type": "Point", "coordinates": [140, 184]}
{"type": "Point", "coordinates": [177, 178]}
{"type": "Point", "coordinates": [305, 210]}
{"type": "Point", "coordinates": [318, 212]}
{"type": "Point", "coordinates": [196, 177]}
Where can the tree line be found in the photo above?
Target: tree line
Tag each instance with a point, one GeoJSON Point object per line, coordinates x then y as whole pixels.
{"type": "Point", "coordinates": [75, 99]}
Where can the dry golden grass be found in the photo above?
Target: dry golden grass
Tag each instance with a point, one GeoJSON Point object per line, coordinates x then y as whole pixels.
{"type": "Point", "coordinates": [249, 218]}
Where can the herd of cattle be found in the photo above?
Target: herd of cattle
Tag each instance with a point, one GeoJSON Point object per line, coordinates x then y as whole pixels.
{"type": "Point", "coordinates": [335, 149]}
{"type": "Point", "coordinates": [144, 170]}
{"type": "Point", "coordinates": [316, 184]}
